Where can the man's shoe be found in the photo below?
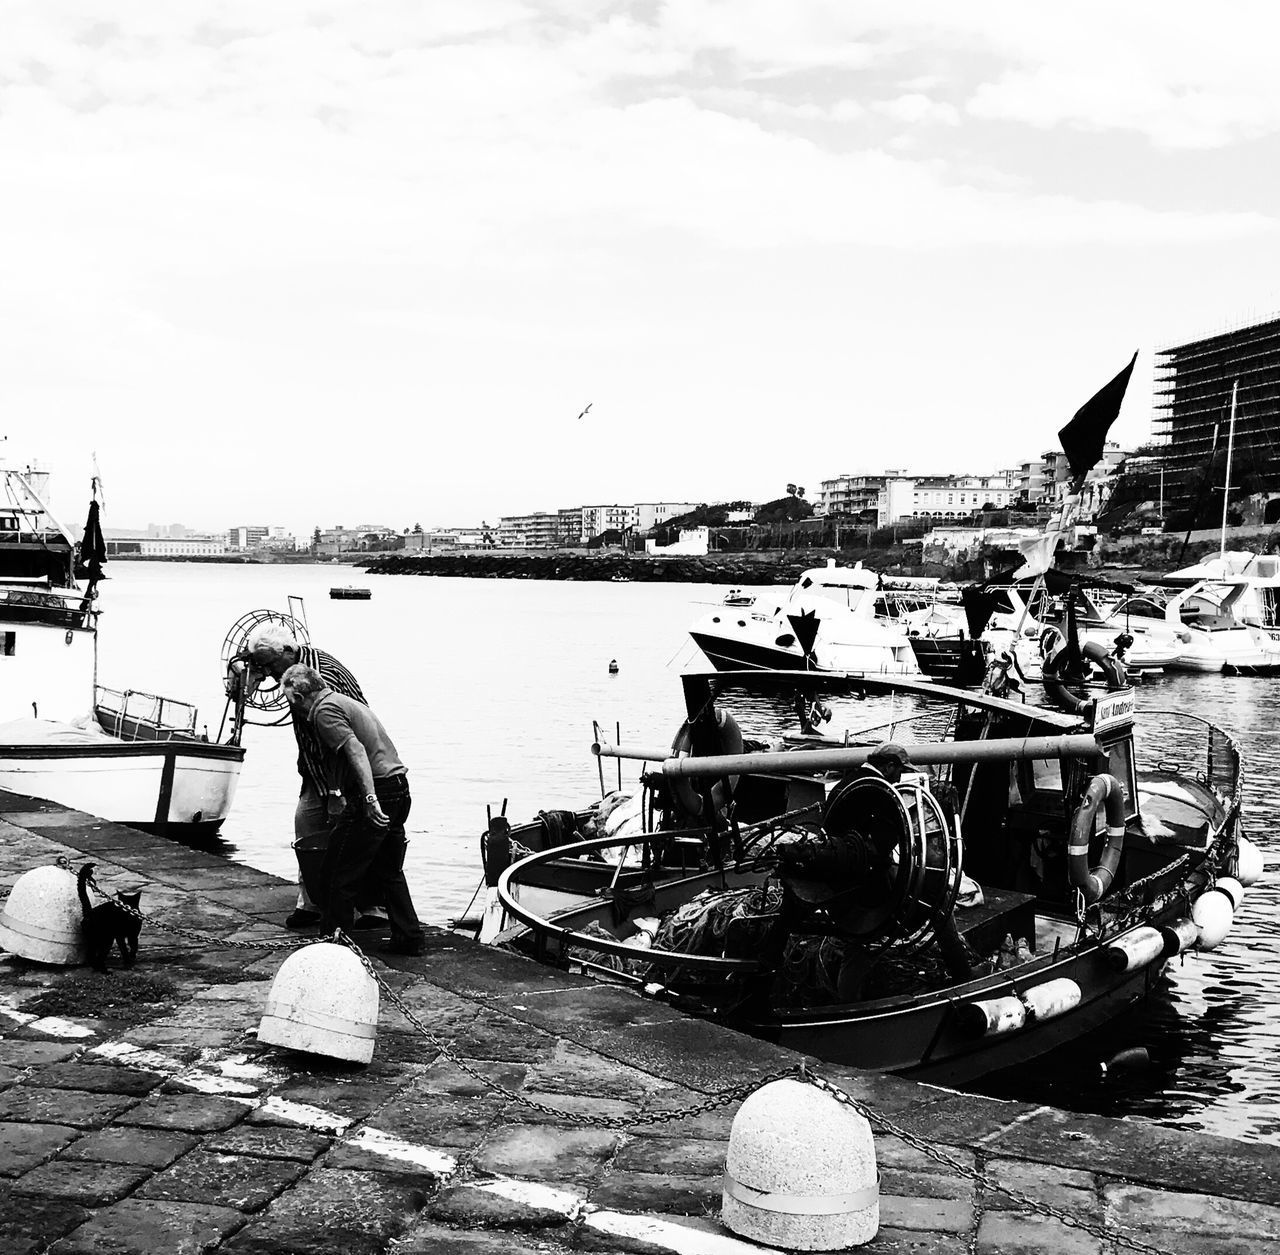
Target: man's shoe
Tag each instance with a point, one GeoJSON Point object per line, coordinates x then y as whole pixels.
{"type": "Point", "coordinates": [368, 922]}
{"type": "Point", "coordinates": [302, 918]}
{"type": "Point", "coordinates": [403, 945]}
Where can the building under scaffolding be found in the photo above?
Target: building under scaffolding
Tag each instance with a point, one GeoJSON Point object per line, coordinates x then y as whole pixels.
{"type": "Point", "coordinates": [1192, 411]}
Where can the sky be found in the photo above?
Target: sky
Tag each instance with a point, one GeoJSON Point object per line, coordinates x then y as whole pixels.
{"type": "Point", "coordinates": [317, 263]}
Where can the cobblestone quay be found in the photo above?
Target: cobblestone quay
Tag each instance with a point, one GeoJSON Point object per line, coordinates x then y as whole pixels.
{"type": "Point", "coordinates": [138, 1112]}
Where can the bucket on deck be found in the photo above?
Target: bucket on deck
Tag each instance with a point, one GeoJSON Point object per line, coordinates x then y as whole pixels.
{"type": "Point", "coordinates": [43, 919]}
{"type": "Point", "coordinates": [324, 1001]}
{"type": "Point", "coordinates": [801, 1171]}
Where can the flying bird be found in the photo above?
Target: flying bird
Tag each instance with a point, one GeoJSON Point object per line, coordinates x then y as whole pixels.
{"type": "Point", "coordinates": [589, 405]}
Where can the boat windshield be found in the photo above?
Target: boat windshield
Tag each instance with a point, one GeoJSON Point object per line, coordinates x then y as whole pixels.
{"type": "Point", "coordinates": [842, 595]}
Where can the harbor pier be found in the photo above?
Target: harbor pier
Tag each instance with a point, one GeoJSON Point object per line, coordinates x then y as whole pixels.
{"type": "Point", "coordinates": [508, 1107]}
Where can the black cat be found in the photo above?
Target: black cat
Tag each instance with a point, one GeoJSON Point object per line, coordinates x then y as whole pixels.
{"type": "Point", "coordinates": [109, 924]}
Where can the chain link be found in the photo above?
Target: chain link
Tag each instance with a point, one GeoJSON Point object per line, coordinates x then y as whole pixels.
{"type": "Point", "coordinates": [721, 1098]}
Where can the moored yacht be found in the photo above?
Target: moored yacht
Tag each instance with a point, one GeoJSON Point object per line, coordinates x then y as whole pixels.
{"type": "Point", "coordinates": [834, 619]}
{"type": "Point", "coordinates": [121, 755]}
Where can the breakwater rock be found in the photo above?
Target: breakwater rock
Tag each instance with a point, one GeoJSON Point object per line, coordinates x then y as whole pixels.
{"type": "Point", "coordinates": [723, 569]}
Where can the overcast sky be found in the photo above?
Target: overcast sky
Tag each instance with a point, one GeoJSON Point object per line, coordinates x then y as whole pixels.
{"type": "Point", "coordinates": [327, 262]}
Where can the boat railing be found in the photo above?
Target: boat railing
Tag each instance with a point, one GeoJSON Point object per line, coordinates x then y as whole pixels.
{"type": "Point", "coordinates": [61, 607]}
{"type": "Point", "coordinates": [132, 715]}
{"type": "Point", "coordinates": [1189, 745]}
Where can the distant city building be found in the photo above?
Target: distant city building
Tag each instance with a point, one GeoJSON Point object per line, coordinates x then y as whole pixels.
{"type": "Point", "coordinates": [338, 540]}
{"type": "Point", "coordinates": [598, 519]}
{"type": "Point", "coordinates": [1193, 386]}
{"type": "Point", "coordinates": [187, 546]}
{"type": "Point", "coordinates": [651, 514]}
{"type": "Point", "coordinates": [540, 530]}
{"type": "Point", "coordinates": [251, 537]}
{"type": "Point", "coordinates": [895, 495]}
{"type": "Point", "coordinates": [694, 542]}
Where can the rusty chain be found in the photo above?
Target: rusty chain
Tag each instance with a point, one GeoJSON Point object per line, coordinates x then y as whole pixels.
{"type": "Point", "coordinates": [721, 1098]}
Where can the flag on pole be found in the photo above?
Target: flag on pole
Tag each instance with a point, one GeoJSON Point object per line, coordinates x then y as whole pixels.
{"type": "Point", "coordinates": [1037, 555]}
{"type": "Point", "coordinates": [1084, 437]}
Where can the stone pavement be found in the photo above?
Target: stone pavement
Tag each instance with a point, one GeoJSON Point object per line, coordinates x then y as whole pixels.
{"type": "Point", "coordinates": [138, 1113]}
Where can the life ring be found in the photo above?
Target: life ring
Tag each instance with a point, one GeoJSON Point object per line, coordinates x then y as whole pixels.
{"type": "Point", "coordinates": [1113, 670]}
{"type": "Point", "coordinates": [1073, 700]}
{"type": "Point", "coordinates": [1093, 882]}
{"type": "Point", "coordinates": [683, 788]}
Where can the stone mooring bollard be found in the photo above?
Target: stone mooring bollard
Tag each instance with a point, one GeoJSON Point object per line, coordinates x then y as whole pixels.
{"type": "Point", "coordinates": [801, 1171]}
{"type": "Point", "coordinates": [323, 1001]}
{"type": "Point", "coordinates": [43, 919]}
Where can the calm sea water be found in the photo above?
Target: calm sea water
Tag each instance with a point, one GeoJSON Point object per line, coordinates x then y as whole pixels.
{"type": "Point", "coordinates": [489, 689]}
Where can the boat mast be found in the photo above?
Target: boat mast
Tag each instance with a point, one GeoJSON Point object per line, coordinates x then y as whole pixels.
{"type": "Point", "coordinates": [1226, 488]}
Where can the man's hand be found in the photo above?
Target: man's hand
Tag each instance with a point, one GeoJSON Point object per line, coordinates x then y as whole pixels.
{"type": "Point", "coordinates": [335, 805]}
{"type": "Point", "coordinates": [374, 812]}
{"type": "Point", "coordinates": [234, 681]}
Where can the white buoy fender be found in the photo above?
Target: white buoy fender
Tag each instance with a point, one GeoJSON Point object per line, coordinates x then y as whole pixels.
{"type": "Point", "coordinates": [43, 919]}
{"type": "Point", "coordinates": [800, 1171]}
{"type": "Point", "coordinates": [1135, 949]}
{"type": "Point", "coordinates": [990, 1017]}
{"type": "Point", "coordinates": [324, 1001]}
{"type": "Point", "coordinates": [1232, 888]}
{"type": "Point", "coordinates": [1053, 998]}
{"type": "Point", "coordinates": [1181, 935]}
{"type": "Point", "coordinates": [1212, 912]}
{"type": "Point", "coordinates": [1249, 864]}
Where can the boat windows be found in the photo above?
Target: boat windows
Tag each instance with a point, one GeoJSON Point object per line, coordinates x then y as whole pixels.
{"type": "Point", "coordinates": [1120, 763]}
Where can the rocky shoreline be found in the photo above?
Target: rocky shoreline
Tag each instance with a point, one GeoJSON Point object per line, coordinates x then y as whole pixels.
{"type": "Point", "coordinates": [1127, 561]}
{"type": "Point", "coordinates": [609, 567]}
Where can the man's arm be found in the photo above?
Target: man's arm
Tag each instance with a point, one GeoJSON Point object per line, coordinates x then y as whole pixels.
{"type": "Point", "coordinates": [355, 755]}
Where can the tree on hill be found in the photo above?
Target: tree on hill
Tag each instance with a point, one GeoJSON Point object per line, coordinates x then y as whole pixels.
{"type": "Point", "coordinates": [789, 509]}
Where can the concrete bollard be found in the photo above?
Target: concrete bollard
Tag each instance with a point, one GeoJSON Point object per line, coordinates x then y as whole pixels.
{"type": "Point", "coordinates": [43, 919]}
{"type": "Point", "coordinates": [801, 1171]}
{"type": "Point", "coordinates": [323, 1001]}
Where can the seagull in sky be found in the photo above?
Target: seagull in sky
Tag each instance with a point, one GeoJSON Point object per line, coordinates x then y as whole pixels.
{"type": "Point", "coordinates": [589, 405]}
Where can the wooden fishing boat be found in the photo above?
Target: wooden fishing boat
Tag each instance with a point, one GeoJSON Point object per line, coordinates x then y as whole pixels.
{"type": "Point", "coordinates": [350, 592]}
{"type": "Point", "coordinates": [1025, 877]}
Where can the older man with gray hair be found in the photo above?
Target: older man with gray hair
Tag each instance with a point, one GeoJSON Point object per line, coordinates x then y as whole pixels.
{"type": "Point", "coordinates": [269, 652]}
{"type": "Point", "coordinates": [368, 842]}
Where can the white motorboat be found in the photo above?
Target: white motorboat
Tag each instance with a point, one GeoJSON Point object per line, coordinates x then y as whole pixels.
{"type": "Point", "coordinates": [834, 619]}
{"type": "Point", "coordinates": [1220, 640]}
{"type": "Point", "coordinates": [122, 755]}
{"type": "Point", "coordinates": [1258, 604]}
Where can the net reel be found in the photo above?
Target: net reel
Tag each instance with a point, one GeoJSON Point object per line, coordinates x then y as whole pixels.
{"type": "Point", "coordinates": [268, 697]}
{"type": "Point", "coordinates": [910, 856]}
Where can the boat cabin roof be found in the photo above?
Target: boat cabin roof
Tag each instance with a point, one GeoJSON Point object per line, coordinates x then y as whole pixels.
{"type": "Point", "coordinates": [854, 683]}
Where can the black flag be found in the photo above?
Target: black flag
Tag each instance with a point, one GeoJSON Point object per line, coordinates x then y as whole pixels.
{"type": "Point", "coordinates": [93, 548]}
{"type": "Point", "coordinates": [1084, 436]}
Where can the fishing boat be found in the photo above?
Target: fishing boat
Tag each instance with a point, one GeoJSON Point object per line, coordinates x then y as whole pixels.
{"type": "Point", "coordinates": [120, 754]}
{"type": "Point", "coordinates": [350, 592]}
{"type": "Point", "coordinates": [953, 885]}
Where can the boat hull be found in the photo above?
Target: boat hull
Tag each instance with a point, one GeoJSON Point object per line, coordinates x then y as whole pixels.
{"type": "Point", "coordinates": [173, 788]}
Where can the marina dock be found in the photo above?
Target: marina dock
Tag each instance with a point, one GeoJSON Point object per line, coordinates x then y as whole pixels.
{"type": "Point", "coordinates": [519, 1109]}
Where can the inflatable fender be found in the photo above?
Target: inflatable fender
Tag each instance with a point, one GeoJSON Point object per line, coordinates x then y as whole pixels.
{"type": "Point", "coordinates": [1107, 792]}
{"type": "Point", "coordinates": [683, 788]}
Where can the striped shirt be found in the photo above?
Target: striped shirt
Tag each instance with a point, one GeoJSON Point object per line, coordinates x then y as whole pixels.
{"type": "Point", "coordinates": [311, 766]}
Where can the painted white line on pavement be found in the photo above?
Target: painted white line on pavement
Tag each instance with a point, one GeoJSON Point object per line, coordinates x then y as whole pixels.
{"type": "Point", "coordinates": [533, 1194]}
{"type": "Point", "coordinates": [314, 1118]}
{"type": "Point", "coordinates": [697, 1237]}
{"type": "Point", "coordinates": [379, 1143]}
